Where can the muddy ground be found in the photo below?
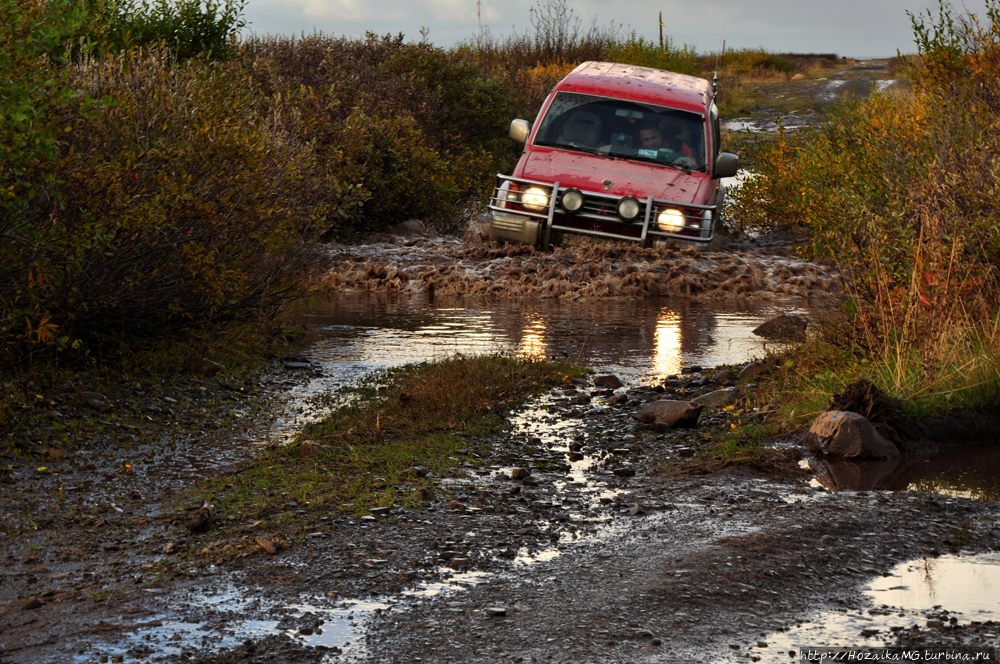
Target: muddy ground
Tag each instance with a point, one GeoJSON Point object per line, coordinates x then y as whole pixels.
{"type": "Point", "coordinates": [601, 556]}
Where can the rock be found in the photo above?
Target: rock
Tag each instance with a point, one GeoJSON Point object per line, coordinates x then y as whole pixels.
{"type": "Point", "coordinates": [170, 547]}
{"type": "Point", "coordinates": [677, 414]}
{"type": "Point", "coordinates": [636, 511]}
{"type": "Point", "coordinates": [98, 402]}
{"type": "Point", "coordinates": [458, 563]}
{"type": "Point", "coordinates": [381, 511]}
{"type": "Point", "coordinates": [311, 448]}
{"type": "Point", "coordinates": [201, 519]}
{"type": "Point", "coordinates": [58, 455]}
{"type": "Point", "coordinates": [407, 576]}
{"type": "Point", "coordinates": [416, 471]}
{"type": "Point", "coordinates": [608, 380]}
{"type": "Point", "coordinates": [576, 456]}
{"type": "Point", "coordinates": [425, 494]}
{"type": "Point", "coordinates": [618, 399]}
{"type": "Point", "coordinates": [753, 371]}
{"type": "Point", "coordinates": [684, 452]}
{"type": "Point", "coordinates": [495, 611]}
{"type": "Point", "coordinates": [725, 376]}
{"type": "Point", "coordinates": [530, 481]}
{"type": "Point", "coordinates": [574, 381]}
{"type": "Point", "coordinates": [412, 226]}
{"type": "Point", "coordinates": [269, 548]}
{"type": "Point", "coordinates": [624, 472]}
{"type": "Point", "coordinates": [847, 434]}
{"type": "Point", "coordinates": [199, 365]}
{"type": "Point", "coordinates": [718, 398]}
{"type": "Point", "coordinates": [799, 77]}
{"type": "Point", "coordinates": [520, 473]}
{"type": "Point", "coordinates": [456, 506]}
{"type": "Point", "coordinates": [785, 327]}
{"type": "Point", "coordinates": [32, 603]}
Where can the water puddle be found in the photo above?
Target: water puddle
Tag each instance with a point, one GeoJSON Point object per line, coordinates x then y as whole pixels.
{"type": "Point", "coordinates": [788, 121]}
{"type": "Point", "coordinates": [228, 619]}
{"type": "Point", "coordinates": [958, 597]}
{"type": "Point", "coordinates": [968, 472]}
{"type": "Point", "coordinates": [640, 340]}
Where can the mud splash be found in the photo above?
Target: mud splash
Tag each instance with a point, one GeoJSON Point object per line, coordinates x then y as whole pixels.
{"type": "Point", "coordinates": [449, 267]}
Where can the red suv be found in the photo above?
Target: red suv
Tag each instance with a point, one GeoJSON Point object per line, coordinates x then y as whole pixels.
{"type": "Point", "coordinates": [620, 152]}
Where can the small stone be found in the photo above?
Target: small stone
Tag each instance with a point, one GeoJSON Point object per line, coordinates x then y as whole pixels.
{"type": "Point", "coordinates": [718, 398]}
{"type": "Point", "coordinates": [199, 365]}
{"type": "Point", "coordinates": [416, 471]}
{"type": "Point", "coordinates": [785, 327]}
{"type": "Point", "coordinates": [458, 563]}
{"type": "Point", "coordinates": [753, 371]}
{"type": "Point", "coordinates": [412, 226]}
{"type": "Point", "coordinates": [32, 603]}
{"type": "Point", "coordinates": [530, 481]}
{"type": "Point", "coordinates": [380, 511]}
{"type": "Point", "coordinates": [624, 472]}
{"type": "Point", "coordinates": [935, 623]}
{"type": "Point", "coordinates": [94, 400]}
{"type": "Point", "coordinates": [269, 548]}
{"type": "Point", "coordinates": [762, 644]}
{"type": "Point", "coordinates": [520, 473]}
{"type": "Point", "coordinates": [306, 631]}
{"type": "Point", "coordinates": [618, 399]}
{"type": "Point", "coordinates": [495, 611]}
{"type": "Point", "coordinates": [656, 642]}
{"type": "Point", "coordinates": [170, 548]}
{"type": "Point", "coordinates": [677, 414]}
{"type": "Point", "coordinates": [311, 448]}
{"type": "Point", "coordinates": [456, 506]}
{"type": "Point", "coordinates": [407, 576]}
{"type": "Point", "coordinates": [636, 511]}
{"type": "Point", "coordinates": [608, 380]}
{"type": "Point", "coordinates": [576, 456]}
{"type": "Point", "coordinates": [725, 376]}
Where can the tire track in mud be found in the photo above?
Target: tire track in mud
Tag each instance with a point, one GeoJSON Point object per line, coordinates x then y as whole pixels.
{"type": "Point", "coordinates": [449, 267]}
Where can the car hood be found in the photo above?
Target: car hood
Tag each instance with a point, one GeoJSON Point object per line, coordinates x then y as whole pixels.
{"type": "Point", "coordinates": [628, 178]}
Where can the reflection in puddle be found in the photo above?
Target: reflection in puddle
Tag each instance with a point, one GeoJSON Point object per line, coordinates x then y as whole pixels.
{"type": "Point", "coordinates": [961, 590]}
{"type": "Point", "coordinates": [967, 585]}
{"type": "Point", "coordinates": [968, 472]}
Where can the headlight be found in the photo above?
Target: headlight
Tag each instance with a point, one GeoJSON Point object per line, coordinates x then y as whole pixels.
{"type": "Point", "coordinates": [670, 221]}
{"type": "Point", "coordinates": [535, 198]}
{"type": "Point", "coordinates": [572, 200]}
{"type": "Point", "coordinates": [629, 208]}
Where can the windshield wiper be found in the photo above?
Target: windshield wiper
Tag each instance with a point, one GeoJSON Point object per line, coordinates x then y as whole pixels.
{"type": "Point", "coordinates": [575, 148]}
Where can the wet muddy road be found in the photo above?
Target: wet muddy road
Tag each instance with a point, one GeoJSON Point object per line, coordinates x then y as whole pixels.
{"type": "Point", "coordinates": [596, 558]}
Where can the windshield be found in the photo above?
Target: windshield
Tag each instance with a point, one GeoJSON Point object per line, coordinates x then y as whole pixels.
{"type": "Point", "coordinates": [619, 128]}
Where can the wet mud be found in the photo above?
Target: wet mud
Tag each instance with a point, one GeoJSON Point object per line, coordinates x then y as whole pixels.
{"type": "Point", "coordinates": [451, 267]}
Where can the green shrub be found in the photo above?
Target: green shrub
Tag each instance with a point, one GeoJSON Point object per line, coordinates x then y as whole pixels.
{"type": "Point", "coordinates": [184, 202]}
{"type": "Point", "coordinates": [187, 27]}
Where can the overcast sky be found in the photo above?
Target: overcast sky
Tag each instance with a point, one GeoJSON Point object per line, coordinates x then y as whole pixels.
{"type": "Point", "coordinates": [853, 28]}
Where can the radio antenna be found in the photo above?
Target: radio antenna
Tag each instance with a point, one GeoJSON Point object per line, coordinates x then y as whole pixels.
{"type": "Point", "coordinates": [720, 55]}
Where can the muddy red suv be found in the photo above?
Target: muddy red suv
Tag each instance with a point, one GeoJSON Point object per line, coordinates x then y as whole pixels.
{"type": "Point", "coordinates": [620, 152]}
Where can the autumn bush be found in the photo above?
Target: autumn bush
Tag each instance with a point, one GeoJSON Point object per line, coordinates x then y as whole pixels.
{"type": "Point", "coordinates": [901, 190]}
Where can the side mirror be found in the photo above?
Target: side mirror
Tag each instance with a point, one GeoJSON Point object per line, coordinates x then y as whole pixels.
{"type": "Point", "coordinates": [519, 130]}
{"type": "Point", "coordinates": [726, 165]}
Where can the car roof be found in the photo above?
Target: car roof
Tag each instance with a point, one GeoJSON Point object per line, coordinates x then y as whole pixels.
{"type": "Point", "coordinates": [642, 84]}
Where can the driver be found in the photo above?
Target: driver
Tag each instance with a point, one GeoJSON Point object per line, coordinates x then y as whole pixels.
{"type": "Point", "coordinates": [651, 138]}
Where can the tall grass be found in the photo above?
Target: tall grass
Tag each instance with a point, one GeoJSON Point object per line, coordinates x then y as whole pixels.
{"type": "Point", "coordinates": [902, 192]}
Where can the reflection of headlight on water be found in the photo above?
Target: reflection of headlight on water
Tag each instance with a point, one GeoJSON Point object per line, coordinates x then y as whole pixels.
{"type": "Point", "coordinates": [670, 221]}
{"type": "Point", "coordinates": [535, 198]}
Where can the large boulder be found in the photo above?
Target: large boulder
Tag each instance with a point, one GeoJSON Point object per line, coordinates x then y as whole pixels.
{"type": "Point", "coordinates": [675, 414]}
{"type": "Point", "coordinates": [786, 327]}
{"type": "Point", "coordinates": [847, 434]}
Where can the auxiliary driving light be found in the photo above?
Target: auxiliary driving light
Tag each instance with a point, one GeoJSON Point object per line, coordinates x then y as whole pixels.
{"type": "Point", "coordinates": [535, 198]}
{"type": "Point", "coordinates": [629, 208]}
{"type": "Point", "coordinates": [670, 221]}
{"type": "Point", "coordinates": [572, 201]}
